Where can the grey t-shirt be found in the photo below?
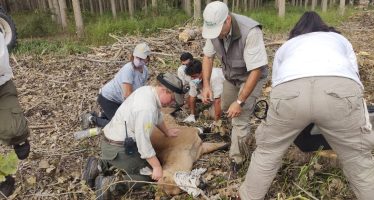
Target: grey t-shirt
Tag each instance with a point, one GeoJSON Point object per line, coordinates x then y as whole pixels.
{"type": "Point", "coordinates": [127, 74]}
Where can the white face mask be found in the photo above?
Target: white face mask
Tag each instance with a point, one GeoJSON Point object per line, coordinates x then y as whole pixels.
{"type": "Point", "coordinates": [138, 62]}
{"type": "Point", "coordinates": [196, 81]}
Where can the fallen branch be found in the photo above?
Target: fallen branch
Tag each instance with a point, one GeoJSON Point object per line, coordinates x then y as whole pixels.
{"type": "Point", "coordinates": [41, 126]}
{"type": "Point", "coordinates": [100, 61]}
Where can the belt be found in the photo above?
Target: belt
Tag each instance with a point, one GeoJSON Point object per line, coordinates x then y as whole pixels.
{"type": "Point", "coordinates": [113, 142]}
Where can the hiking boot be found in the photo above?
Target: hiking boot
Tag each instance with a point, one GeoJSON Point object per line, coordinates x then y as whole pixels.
{"type": "Point", "coordinates": [7, 187]}
{"type": "Point", "coordinates": [104, 187]}
{"type": "Point", "coordinates": [22, 150]}
{"type": "Point", "coordinates": [91, 171]}
{"type": "Point", "coordinates": [87, 119]}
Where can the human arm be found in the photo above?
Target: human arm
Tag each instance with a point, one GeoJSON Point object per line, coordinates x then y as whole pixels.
{"type": "Point", "coordinates": [168, 132]}
{"type": "Point", "coordinates": [207, 66]}
{"type": "Point", "coordinates": [217, 109]}
{"type": "Point", "coordinates": [156, 167]}
{"type": "Point", "coordinates": [127, 89]}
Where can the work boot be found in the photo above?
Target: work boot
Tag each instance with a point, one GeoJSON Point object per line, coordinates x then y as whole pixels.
{"type": "Point", "coordinates": [104, 187]}
{"type": "Point", "coordinates": [86, 119]}
{"type": "Point", "coordinates": [91, 171]}
{"type": "Point", "coordinates": [7, 187]}
{"type": "Point", "coordinates": [22, 150]}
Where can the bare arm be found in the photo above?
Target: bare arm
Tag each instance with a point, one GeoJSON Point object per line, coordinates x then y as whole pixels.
{"type": "Point", "coordinates": [217, 109]}
{"type": "Point", "coordinates": [207, 71]}
{"type": "Point", "coordinates": [127, 89]}
{"type": "Point", "coordinates": [235, 109]}
{"type": "Point", "coordinates": [156, 166]}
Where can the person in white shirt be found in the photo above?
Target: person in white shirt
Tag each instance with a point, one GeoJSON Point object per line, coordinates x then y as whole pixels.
{"type": "Point", "coordinates": [194, 70]}
{"type": "Point", "coordinates": [134, 121]}
{"type": "Point", "coordinates": [316, 80]}
{"type": "Point", "coordinates": [130, 77]}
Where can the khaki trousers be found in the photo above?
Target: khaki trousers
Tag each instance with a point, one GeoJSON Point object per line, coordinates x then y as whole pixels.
{"type": "Point", "coordinates": [240, 125]}
{"type": "Point", "coordinates": [334, 104]}
{"type": "Point", "coordinates": [13, 124]}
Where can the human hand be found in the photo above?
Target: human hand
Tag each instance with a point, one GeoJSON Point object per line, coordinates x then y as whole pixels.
{"type": "Point", "coordinates": [234, 110]}
{"type": "Point", "coordinates": [207, 95]}
{"type": "Point", "coordinates": [190, 118]}
{"type": "Point", "coordinates": [173, 132]}
{"type": "Point", "coordinates": [157, 173]}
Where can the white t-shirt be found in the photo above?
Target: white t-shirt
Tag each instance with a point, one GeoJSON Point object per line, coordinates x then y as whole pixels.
{"type": "Point", "coordinates": [141, 112]}
{"type": "Point", "coordinates": [216, 83]}
{"type": "Point", "coordinates": [127, 74]}
{"type": "Point", "coordinates": [5, 71]}
{"type": "Point", "coordinates": [315, 54]}
{"type": "Point", "coordinates": [182, 74]}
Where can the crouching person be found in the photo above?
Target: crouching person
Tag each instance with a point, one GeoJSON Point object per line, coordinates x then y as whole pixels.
{"type": "Point", "coordinates": [126, 143]}
{"type": "Point", "coordinates": [13, 125]}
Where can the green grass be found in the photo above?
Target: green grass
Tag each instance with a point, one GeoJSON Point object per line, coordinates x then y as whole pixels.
{"type": "Point", "coordinates": [268, 17]}
{"type": "Point", "coordinates": [43, 46]}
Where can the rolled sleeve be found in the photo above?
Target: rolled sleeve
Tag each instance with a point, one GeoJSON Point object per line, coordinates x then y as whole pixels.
{"type": "Point", "coordinates": [254, 51]}
{"type": "Point", "coordinates": [208, 49]}
{"type": "Point", "coordinates": [143, 129]}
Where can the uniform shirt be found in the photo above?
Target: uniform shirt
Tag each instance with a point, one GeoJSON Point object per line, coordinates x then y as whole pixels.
{"type": "Point", "coordinates": [5, 71]}
{"type": "Point", "coordinates": [113, 90]}
{"type": "Point", "coordinates": [315, 54]}
{"type": "Point", "coordinates": [216, 83]}
{"type": "Point", "coordinates": [141, 111]}
{"type": "Point", "coordinates": [254, 51]}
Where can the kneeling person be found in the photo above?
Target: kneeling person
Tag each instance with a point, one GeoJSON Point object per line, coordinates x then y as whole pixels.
{"type": "Point", "coordinates": [134, 121]}
{"type": "Point", "coordinates": [194, 70]}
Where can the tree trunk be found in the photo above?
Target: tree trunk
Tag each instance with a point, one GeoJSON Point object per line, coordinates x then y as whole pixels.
{"type": "Point", "coordinates": [342, 7]}
{"type": "Point", "coordinates": [208, 1]}
{"type": "Point", "coordinates": [92, 10]}
{"type": "Point", "coordinates": [324, 5]}
{"type": "Point", "coordinates": [131, 8]}
{"type": "Point", "coordinates": [281, 8]}
{"type": "Point", "coordinates": [121, 5]}
{"type": "Point", "coordinates": [51, 8]}
{"type": "Point", "coordinates": [57, 11]}
{"type": "Point", "coordinates": [252, 4]}
{"type": "Point", "coordinates": [146, 7]}
{"type": "Point", "coordinates": [101, 7]}
{"type": "Point", "coordinates": [64, 22]}
{"type": "Point", "coordinates": [226, 2]}
{"type": "Point", "coordinates": [306, 4]}
{"type": "Point", "coordinates": [314, 3]}
{"type": "Point", "coordinates": [197, 9]}
{"type": "Point", "coordinates": [245, 5]}
{"type": "Point", "coordinates": [113, 6]}
{"type": "Point", "coordinates": [154, 3]}
{"type": "Point", "coordinates": [188, 7]}
{"type": "Point", "coordinates": [78, 18]}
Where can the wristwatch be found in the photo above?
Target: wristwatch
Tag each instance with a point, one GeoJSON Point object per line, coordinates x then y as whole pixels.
{"type": "Point", "coordinates": [241, 103]}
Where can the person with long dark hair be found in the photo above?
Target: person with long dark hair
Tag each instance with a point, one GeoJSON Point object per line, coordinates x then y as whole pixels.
{"type": "Point", "coordinates": [315, 79]}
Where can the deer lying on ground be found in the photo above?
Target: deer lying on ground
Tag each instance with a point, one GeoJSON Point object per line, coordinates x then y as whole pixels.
{"type": "Point", "coordinates": [178, 153]}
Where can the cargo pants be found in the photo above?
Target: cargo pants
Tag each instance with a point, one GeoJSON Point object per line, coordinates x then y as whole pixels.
{"type": "Point", "coordinates": [240, 125]}
{"type": "Point", "coordinates": [13, 124]}
{"type": "Point", "coordinates": [337, 107]}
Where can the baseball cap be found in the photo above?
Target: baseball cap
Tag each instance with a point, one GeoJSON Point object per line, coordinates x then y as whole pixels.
{"type": "Point", "coordinates": [173, 83]}
{"type": "Point", "coordinates": [215, 14]}
{"type": "Point", "coordinates": [142, 51]}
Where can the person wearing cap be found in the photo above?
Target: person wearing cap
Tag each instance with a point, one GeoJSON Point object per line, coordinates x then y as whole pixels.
{"type": "Point", "coordinates": [238, 43]}
{"type": "Point", "coordinates": [194, 69]}
{"type": "Point", "coordinates": [130, 77]}
{"type": "Point", "coordinates": [315, 79]}
{"type": "Point", "coordinates": [135, 119]}
{"type": "Point", "coordinates": [14, 129]}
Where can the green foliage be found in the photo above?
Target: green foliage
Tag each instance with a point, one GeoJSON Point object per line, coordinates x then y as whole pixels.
{"type": "Point", "coordinates": [268, 17]}
{"type": "Point", "coordinates": [8, 165]}
{"type": "Point", "coordinates": [57, 47]}
{"type": "Point", "coordinates": [34, 24]}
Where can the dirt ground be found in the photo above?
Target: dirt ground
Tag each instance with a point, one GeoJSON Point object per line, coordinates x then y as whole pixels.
{"type": "Point", "coordinates": [54, 91]}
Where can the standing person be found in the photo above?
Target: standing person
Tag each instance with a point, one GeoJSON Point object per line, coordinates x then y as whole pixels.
{"type": "Point", "coordinates": [130, 77]}
{"type": "Point", "coordinates": [14, 129]}
{"type": "Point", "coordinates": [135, 120]}
{"type": "Point", "coordinates": [316, 80]}
{"type": "Point", "coordinates": [194, 70]}
{"type": "Point", "coordinates": [238, 42]}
